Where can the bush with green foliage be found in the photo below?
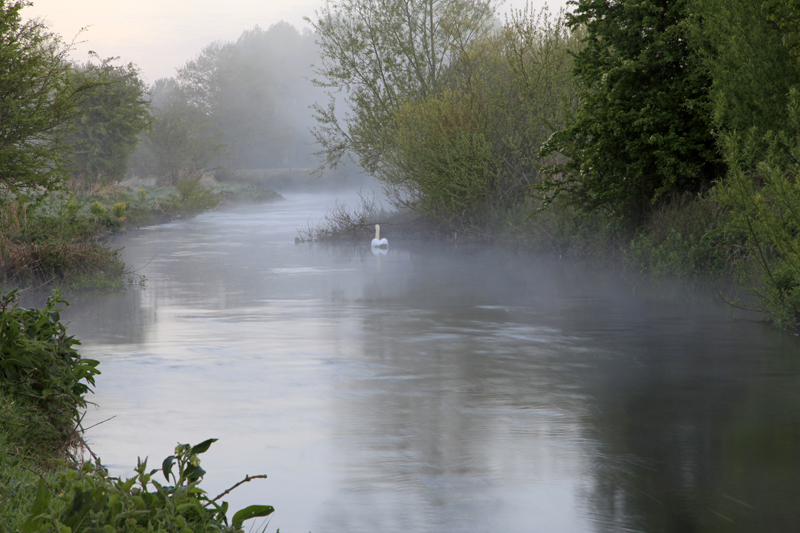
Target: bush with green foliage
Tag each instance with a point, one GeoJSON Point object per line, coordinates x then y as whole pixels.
{"type": "Point", "coordinates": [686, 236]}
{"type": "Point", "coordinates": [88, 500]}
{"type": "Point", "coordinates": [193, 197]}
{"type": "Point", "coordinates": [53, 238]}
{"type": "Point", "coordinates": [41, 367]}
{"type": "Point", "coordinates": [444, 166]}
{"type": "Point", "coordinates": [763, 193]}
{"type": "Point", "coordinates": [643, 129]}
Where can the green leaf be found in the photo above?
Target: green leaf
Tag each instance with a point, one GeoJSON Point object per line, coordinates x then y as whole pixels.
{"type": "Point", "coordinates": [42, 498]}
{"type": "Point", "coordinates": [203, 446]}
{"type": "Point", "coordinates": [193, 473]}
{"type": "Point", "coordinates": [252, 511]}
{"type": "Point", "coordinates": [166, 466]}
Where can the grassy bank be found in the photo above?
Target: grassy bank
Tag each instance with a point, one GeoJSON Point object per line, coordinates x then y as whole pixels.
{"type": "Point", "coordinates": [59, 238]}
{"type": "Point", "coordinates": [45, 483]}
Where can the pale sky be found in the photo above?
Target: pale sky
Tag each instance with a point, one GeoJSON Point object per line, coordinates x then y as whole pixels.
{"type": "Point", "coordinates": [161, 35]}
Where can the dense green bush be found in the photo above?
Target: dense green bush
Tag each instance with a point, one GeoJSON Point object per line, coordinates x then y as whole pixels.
{"type": "Point", "coordinates": [685, 236]}
{"type": "Point", "coordinates": [41, 367]}
{"type": "Point", "coordinates": [644, 128]}
{"type": "Point", "coordinates": [763, 193]}
{"type": "Point", "coordinates": [445, 167]}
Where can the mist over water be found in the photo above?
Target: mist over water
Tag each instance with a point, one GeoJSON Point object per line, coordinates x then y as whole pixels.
{"type": "Point", "coordinates": [440, 388]}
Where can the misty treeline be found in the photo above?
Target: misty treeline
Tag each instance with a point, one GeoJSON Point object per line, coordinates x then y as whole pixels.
{"type": "Point", "coordinates": [669, 128]}
{"type": "Point", "coordinates": [237, 105]}
{"type": "Point", "coordinates": [242, 104]}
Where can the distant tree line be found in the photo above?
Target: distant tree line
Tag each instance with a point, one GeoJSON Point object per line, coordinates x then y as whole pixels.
{"type": "Point", "coordinates": [236, 105]}
{"type": "Point", "coordinates": [240, 104]}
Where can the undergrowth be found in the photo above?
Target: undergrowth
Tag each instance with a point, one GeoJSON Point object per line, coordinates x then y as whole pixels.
{"type": "Point", "coordinates": [41, 375]}
{"type": "Point", "coordinates": [45, 485]}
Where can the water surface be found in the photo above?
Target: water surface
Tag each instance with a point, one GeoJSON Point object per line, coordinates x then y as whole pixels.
{"type": "Point", "coordinates": [440, 388]}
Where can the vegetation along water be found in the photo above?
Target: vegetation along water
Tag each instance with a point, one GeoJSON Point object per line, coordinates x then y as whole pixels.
{"type": "Point", "coordinates": [641, 132]}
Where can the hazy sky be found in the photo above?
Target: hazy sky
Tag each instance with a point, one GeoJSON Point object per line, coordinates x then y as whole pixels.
{"type": "Point", "coordinates": [161, 35]}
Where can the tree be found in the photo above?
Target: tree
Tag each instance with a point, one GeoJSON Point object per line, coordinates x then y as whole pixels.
{"type": "Point", "coordinates": [744, 44]}
{"type": "Point", "coordinates": [180, 142]}
{"type": "Point", "coordinates": [112, 115]}
{"type": "Point", "coordinates": [643, 129]}
{"type": "Point", "coordinates": [785, 15]}
{"type": "Point", "coordinates": [38, 99]}
{"type": "Point", "coordinates": [377, 54]}
{"type": "Point", "coordinates": [255, 95]}
{"type": "Point", "coordinates": [740, 48]}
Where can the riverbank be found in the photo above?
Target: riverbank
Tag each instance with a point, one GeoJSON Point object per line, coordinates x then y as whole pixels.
{"type": "Point", "coordinates": [692, 236]}
{"type": "Point", "coordinates": [60, 238]}
{"type": "Point", "coordinates": [48, 482]}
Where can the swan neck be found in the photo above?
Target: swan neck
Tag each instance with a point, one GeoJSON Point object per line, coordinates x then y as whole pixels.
{"type": "Point", "coordinates": [377, 232]}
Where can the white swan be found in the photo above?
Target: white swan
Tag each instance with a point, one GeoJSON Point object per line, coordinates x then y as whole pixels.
{"type": "Point", "coordinates": [377, 242]}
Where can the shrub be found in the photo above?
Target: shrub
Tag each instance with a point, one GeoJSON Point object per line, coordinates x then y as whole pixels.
{"type": "Point", "coordinates": [39, 364]}
{"type": "Point", "coordinates": [97, 209]}
{"type": "Point", "coordinates": [192, 197]}
{"type": "Point", "coordinates": [118, 210]}
{"type": "Point", "coordinates": [684, 236]}
{"type": "Point", "coordinates": [89, 500]}
{"type": "Point", "coordinates": [763, 193]}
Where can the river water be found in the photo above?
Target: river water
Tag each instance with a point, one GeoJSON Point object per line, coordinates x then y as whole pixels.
{"type": "Point", "coordinates": [440, 388]}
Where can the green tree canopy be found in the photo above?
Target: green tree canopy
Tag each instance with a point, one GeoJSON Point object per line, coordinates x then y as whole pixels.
{"type": "Point", "coordinates": [643, 128]}
{"type": "Point", "coordinates": [376, 54]}
{"type": "Point", "coordinates": [38, 99]}
{"type": "Point", "coordinates": [112, 115]}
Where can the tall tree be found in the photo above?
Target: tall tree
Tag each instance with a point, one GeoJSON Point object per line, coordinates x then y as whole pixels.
{"type": "Point", "coordinates": [742, 48]}
{"type": "Point", "coordinates": [254, 94]}
{"type": "Point", "coordinates": [181, 141]}
{"type": "Point", "coordinates": [38, 99]}
{"type": "Point", "coordinates": [643, 129]}
{"type": "Point", "coordinates": [376, 54]}
{"type": "Point", "coordinates": [113, 113]}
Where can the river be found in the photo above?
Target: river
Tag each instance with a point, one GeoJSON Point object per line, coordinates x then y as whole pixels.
{"type": "Point", "coordinates": [440, 388]}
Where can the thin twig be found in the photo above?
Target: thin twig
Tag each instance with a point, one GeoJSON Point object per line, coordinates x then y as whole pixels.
{"type": "Point", "coordinates": [144, 265]}
{"type": "Point", "coordinates": [94, 425]}
{"type": "Point", "coordinates": [245, 480]}
{"type": "Point", "coordinates": [733, 304]}
{"type": "Point", "coordinates": [40, 477]}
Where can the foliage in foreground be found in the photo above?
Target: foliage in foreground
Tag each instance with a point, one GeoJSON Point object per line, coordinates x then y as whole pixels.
{"type": "Point", "coordinates": [87, 500]}
{"type": "Point", "coordinates": [43, 387]}
{"type": "Point", "coordinates": [42, 370]}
